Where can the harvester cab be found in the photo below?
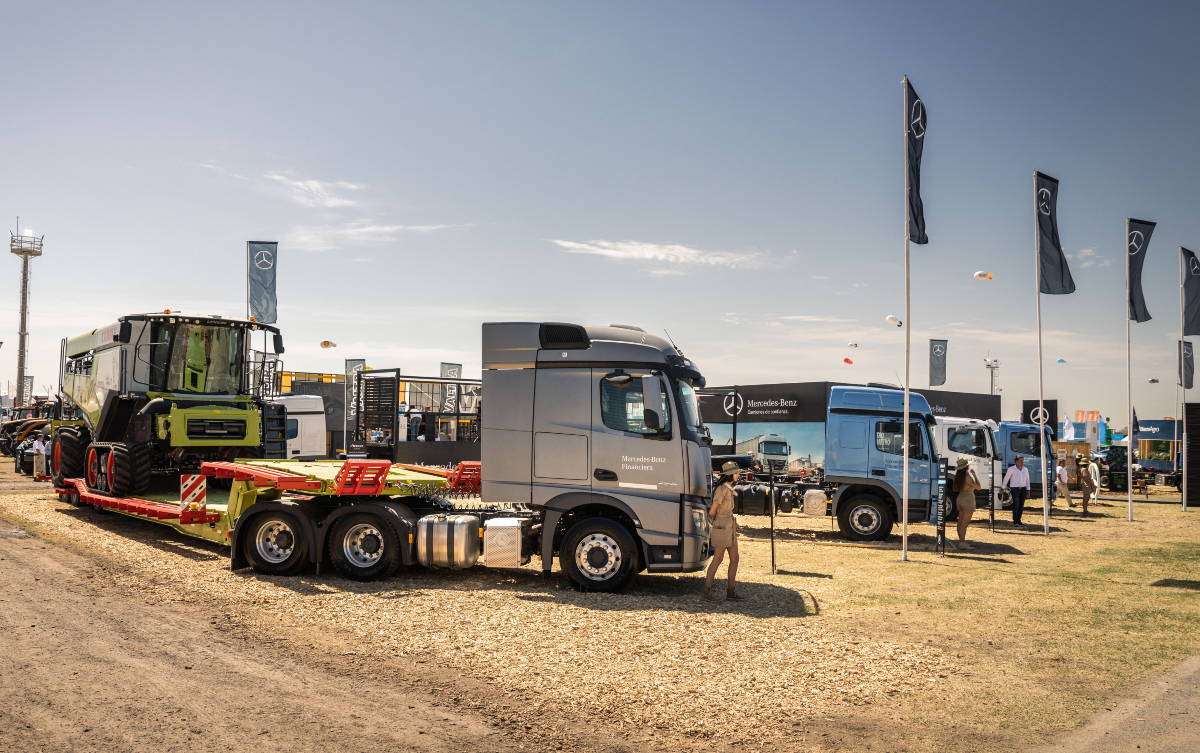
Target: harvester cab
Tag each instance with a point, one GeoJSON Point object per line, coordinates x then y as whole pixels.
{"type": "Point", "coordinates": [159, 394]}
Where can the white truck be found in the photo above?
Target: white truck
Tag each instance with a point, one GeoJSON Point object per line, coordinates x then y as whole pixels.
{"type": "Point", "coordinates": [771, 450]}
{"type": "Point", "coordinates": [305, 425]}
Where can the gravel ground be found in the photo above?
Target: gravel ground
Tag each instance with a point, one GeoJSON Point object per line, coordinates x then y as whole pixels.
{"type": "Point", "coordinates": [650, 665]}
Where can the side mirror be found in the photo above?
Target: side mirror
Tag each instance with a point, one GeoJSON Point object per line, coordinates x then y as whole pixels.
{"type": "Point", "coordinates": [278, 340]}
{"type": "Point", "coordinates": [125, 333]}
{"type": "Point", "coordinates": [652, 402]}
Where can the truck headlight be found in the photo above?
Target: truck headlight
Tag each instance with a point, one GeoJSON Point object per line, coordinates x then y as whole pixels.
{"type": "Point", "coordinates": [699, 521]}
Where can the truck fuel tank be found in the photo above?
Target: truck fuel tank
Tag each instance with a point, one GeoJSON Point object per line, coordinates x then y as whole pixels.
{"type": "Point", "coordinates": [448, 541]}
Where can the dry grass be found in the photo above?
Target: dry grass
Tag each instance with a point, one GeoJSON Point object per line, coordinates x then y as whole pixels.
{"type": "Point", "coordinates": [845, 647]}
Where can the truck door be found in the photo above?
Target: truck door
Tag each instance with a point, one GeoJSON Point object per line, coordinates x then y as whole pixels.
{"type": "Point", "coordinates": [971, 442]}
{"type": "Point", "coordinates": [639, 464]}
{"type": "Point", "coordinates": [887, 455]}
{"type": "Point", "coordinates": [562, 422]}
{"type": "Point", "coordinates": [313, 433]}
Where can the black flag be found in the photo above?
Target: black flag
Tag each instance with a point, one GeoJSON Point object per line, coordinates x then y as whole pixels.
{"type": "Point", "coordinates": [1137, 241]}
{"type": "Point", "coordinates": [1187, 366]}
{"type": "Point", "coordinates": [1055, 274]}
{"type": "Point", "coordinates": [914, 133]}
{"type": "Point", "coordinates": [260, 268]}
{"type": "Point", "coordinates": [937, 362]}
{"type": "Point", "coordinates": [1191, 292]}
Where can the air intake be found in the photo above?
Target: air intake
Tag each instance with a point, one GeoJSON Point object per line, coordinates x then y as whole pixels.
{"type": "Point", "coordinates": [558, 336]}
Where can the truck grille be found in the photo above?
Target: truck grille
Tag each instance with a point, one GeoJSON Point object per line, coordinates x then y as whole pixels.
{"type": "Point", "coordinates": [215, 428]}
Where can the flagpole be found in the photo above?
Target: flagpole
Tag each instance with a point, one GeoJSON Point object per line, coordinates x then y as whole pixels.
{"type": "Point", "coordinates": [1183, 382]}
{"type": "Point", "coordinates": [907, 324]}
{"type": "Point", "coordinates": [1037, 268]}
{"type": "Point", "coordinates": [1129, 436]}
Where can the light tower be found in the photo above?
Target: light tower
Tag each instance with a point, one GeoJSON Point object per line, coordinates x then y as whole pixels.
{"type": "Point", "coordinates": [991, 364]}
{"type": "Point", "coordinates": [24, 246]}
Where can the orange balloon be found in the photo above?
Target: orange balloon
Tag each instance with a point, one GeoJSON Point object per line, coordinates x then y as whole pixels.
{"type": "Point", "coordinates": [847, 360]}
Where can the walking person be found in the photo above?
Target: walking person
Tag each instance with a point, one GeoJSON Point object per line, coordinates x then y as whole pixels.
{"type": "Point", "coordinates": [1016, 483]}
{"type": "Point", "coordinates": [724, 532]}
{"type": "Point", "coordinates": [40, 446]}
{"type": "Point", "coordinates": [1062, 482]}
{"type": "Point", "coordinates": [1087, 486]}
{"type": "Point", "coordinates": [965, 484]}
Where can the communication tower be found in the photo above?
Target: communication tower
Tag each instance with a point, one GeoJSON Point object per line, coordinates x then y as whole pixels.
{"type": "Point", "coordinates": [24, 246]}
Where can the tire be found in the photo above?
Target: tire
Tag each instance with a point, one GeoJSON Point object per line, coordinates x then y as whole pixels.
{"type": "Point", "coordinates": [275, 544]}
{"type": "Point", "coordinates": [364, 546]}
{"type": "Point", "coordinates": [599, 554]}
{"type": "Point", "coordinates": [68, 451]}
{"type": "Point", "coordinates": [951, 513]}
{"type": "Point", "coordinates": [24, 458]}
{"type": "Point", "coordinates": [865, 518]}
{"type": "Point", "coordinates": [129, 469]}
{"type": "Point", "coordinates": [1104, 481]}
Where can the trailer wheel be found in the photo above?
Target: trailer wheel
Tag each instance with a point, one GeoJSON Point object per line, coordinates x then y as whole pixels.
{"type": "Point", "coordinates": [363, 546]}
{"type": "Point", "coordinates": [68, 451]}
{"type": "Point", "coordinates": [865, 518]}
{"type": "Point", "coordinates": [129, 469]}
{"type": "Point", "coordinates": [1104, 481]}
{"type": "Point", "coordinates": [599, 554]}
{"type": "Point", "coordinates": [275, 544]}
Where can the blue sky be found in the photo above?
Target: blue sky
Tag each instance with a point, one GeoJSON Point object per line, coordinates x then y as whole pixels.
{"type": "Point", "coordinates": [730, 172]}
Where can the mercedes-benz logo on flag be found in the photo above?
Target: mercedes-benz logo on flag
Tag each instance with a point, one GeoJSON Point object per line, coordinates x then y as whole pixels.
{"type": "Point", "coordinates": [729, 403]}
{"type": "Point", "coordinates": [918, 119]}
{"type": "Point", "coordinates": [1040, 416]}
{"type": "Point", "coordinates": [264, 259]}
{"type": "Point", "coordinates": [1195, 267]}
{"type": "Point", "coordinates": [1044, 200]}
{"type": "Point", "coordinates": [1136, 239]}
{"type": "Point", "coordinates": [939, 350]}
{"type": "Point", "coordinates": [1187, 350]}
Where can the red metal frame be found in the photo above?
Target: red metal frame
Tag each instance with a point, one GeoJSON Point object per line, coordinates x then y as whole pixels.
{"type": "Point", "coordinates": [143, 507]}
{"type": "Point", "coordinates": [465, 477]}
{"type": "Point", "coordinates": [362, 477]}
{"type": "Point", "coordinates": [284, 480]}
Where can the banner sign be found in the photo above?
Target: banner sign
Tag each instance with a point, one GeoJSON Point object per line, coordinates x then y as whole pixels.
{"type": "Point", "coordinates": [1191, 292]}
{"type": "Point", "coordinates": [1029, 409]}
{"type": "Point", "coordinates": [1055, 274]}
{"type": "Point", "coordinates": [808, 402]}
{"type": "Point", "coordinates": [914, 129]}
{"type": "Point", "coordinates": [449, 399]}
{"type": "Point", "coordinates": [1187, 365]}
{"type": "Point", "coordinates": [937, 362]}
{"type": "Point", "coordinates": [353, 366]}
{"type": "Point", "coordinates": [261, 258]}
{"type": "Point", "coordinates": [1137, 240]}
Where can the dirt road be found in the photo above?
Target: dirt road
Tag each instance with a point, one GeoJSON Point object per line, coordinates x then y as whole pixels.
{"type": "Point", "coordinates": [83, 667]}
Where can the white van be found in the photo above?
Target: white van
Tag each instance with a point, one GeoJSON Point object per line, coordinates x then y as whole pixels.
{"type": "Point", "coordinates": [974, 440]}
{"type": "Point", "coordinates": [305, 426]}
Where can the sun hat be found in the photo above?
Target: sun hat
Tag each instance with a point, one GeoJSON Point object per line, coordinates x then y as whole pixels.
{"type": "Point", "coordinates": [730, 468]}
{"type": "Point", "coordinates": [962, 463]}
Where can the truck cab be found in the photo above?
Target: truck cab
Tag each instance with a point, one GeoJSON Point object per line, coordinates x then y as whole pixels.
{"type": "Point", "coordinates": [1014, 439]}
{"type": "Point", "coordinates": [864, 447]}
{"type": "Point", "coordinates": [599, 428]}
{"type": "Point", "coordinates": [304, 425]}
{"type": "Point", "coordinates": [977, 442]}
{"type": "Point", "coordinates": [770, 450]}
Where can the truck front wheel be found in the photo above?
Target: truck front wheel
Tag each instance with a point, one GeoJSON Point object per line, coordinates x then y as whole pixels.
{"type": "Point", "coordinates": [599, 554]}
{"type": "Point", "coordinates": [363, 546]}
{"type": "Point", "coordinates": [275, 544]}
{"type": "Point", "coordinates": [864, 518]}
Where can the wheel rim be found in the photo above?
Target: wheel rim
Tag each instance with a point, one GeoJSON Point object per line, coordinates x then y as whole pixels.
{"type": "Point", "coordinates": [598, 556]}
{"type": "Point", "coordinates": [108, 469]}
{"type": "Point", "coordinates": [865, 520]}
{"type": "Point", "coordinates": [275, 541]}
{"type": "Point", "coordinates": [362, 545]}
{"type": "Point", "coordinates": [56, 458]}
{"type": "Point", "coordinates": [93, 466]}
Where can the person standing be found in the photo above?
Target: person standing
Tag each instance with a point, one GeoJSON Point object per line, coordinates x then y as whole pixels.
{"type": "Point", "coordinates": [965, 484]}
{"type": "Point", "coordinates": [1062, 482]}
{"type": "Point", "coordinates": [1087, 487]}
{"type": "Point", "coordinates": [724, 532]}
{"type": "Point", "coordinates": [1016, 483]}
{"type": "Point", "coordinates": [40, 445]}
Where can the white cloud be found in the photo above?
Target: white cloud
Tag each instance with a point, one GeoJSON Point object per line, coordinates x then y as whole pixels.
{"type": "Point", "coordinates": [670, 253]}
{"type": "Point", "coordinates": [666, 272]}
{"type": "Point", "coordinates": [314, 193]}
{"type": "Point", "coordinates": [356, 233]}
{"type": "Point", "coordinates": [1087, 257]}
{"type": "Point", "coordinates": [818, 277]}
{"type": "Point", "coordinates": [807, 318]}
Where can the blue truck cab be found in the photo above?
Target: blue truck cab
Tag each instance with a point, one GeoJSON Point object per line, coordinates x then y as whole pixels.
{"type": "Point", "coordinates": [864, 454]}
{"type": "Point", "coordinates": [1014, 439]}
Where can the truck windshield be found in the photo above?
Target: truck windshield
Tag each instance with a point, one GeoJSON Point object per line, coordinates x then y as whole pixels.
{"type": "Point", "coordinates": [773, 448]}
{"type": "Point", "coordinates": [201, 358]}
{"type": "Point", "coordinates": [691, 406]}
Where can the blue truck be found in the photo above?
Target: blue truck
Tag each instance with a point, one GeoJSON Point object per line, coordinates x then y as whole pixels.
{"type": "Point", "coordinates": [1014, 439]}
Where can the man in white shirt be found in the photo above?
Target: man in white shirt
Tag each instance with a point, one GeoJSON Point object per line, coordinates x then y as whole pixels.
{"type": "Point", "coordinates": [40, 447]}
{"type": "Point", "coordinates": [1064, 490]}
{"type": "Point", "coordinates": [1016, 483]}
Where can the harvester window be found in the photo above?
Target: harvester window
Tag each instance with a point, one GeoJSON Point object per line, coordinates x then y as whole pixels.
{"type": "Point", "coordinates": [623, 408]}
{"type": "Point", "coordinates": [204, 359]}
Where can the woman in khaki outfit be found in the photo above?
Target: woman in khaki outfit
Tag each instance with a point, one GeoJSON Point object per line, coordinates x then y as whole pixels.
{"type": "Point", "coordinates": [724, 532]}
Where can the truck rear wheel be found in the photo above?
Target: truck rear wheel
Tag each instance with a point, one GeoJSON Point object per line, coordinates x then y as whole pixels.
{"type": "Point", "coordinates": [599, 554]}
{"type": "Point", "coordinates": [275, 544]}
{"type": "Point", "coordinates": [865, 518]}
{"type": "Point", "coordinates": [68, 448]}
{"type": "Point", "coordinates": [363, 546]}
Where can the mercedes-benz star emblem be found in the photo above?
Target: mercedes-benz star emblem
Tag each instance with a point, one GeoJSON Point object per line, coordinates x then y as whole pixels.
{"type": "Point", "coordinates": [264, 259]}
{"type": "Point", "coordinates": [1040, 416]}
{"type": "Point", "coordinates": [729, 402]}
{"type": "Point", "coordinates": [1195, 265]}
{"type": "Point", "coordinates": [1044, 200]}
{"type": "Point", "coordinates": [917, 121]}
{"type": "Point", "coordinates": [939, 350]}
{"type": "Point", "coordinates": [1187, 350]}
{"type": "Point", "coordinates": [1135, 242]}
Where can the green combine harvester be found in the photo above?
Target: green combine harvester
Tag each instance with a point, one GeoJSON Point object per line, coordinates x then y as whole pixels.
{"type": "Point", "coordinates": [159, 394]}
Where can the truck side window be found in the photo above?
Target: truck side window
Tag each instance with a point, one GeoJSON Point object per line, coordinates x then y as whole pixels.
{"type": "Point", "coordinates": [889, 438]}
{"type": "Point", "coordinates": [293, 428]}
{"type": "Point", "coordinates": [621, 406]}
{"type": "Point", "coordinates": [1024, 443]}
{"type": "Point", "coordinates": [972, 442]}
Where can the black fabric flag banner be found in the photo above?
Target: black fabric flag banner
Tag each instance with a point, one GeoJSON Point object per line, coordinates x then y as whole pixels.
{"type": "Point", "coordinates": [1191, 292]}
{"type": "Point", "coordinates": [1187, 365]}
{"type": "Point", "coordinates": [260, 268]}
{"type": "Point", "coordinates": [914, 133]}
{"type": "Point", "coordinates": [1055, 274]}
{"type": "Point", "coordinates": [937, 362]}
{"type": "Point", "coordinates": [1137, 242]}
